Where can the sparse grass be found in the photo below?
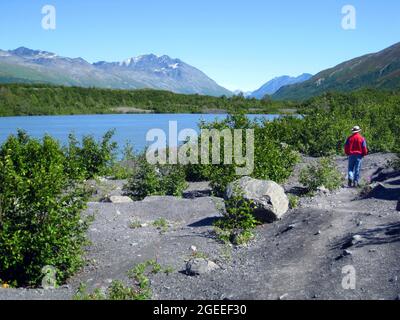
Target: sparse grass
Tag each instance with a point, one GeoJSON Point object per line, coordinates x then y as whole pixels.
{"type": "Point", "coordinates": [168, 270]}
{"type": "Point", "coordinates": [226, 252]}
{"type": "Point", "coordinates": [243, 238]}
{"type": "Point", "coordinates": [161, 224]}
{"type": "Point", "coordinates": [118, 291]}
{"type": "Point", "coordinates": [135, 224]}
{"type": "Point", "coordinates": [293, 201]}
{"type": "Point", "coordinates": [199, 255]}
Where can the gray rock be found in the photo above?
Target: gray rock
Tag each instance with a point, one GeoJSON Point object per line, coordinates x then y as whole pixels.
{"type": "Point", "coordinates": [283, 297]}
{"type": "Point", "coordinates": [200, 266]}
{"type": "Point", "coordinates": [356, 239]}
{"type": "Point", "coordinates": [268, 198]}
{"type": "Point", "coordinates": [347, 253]}
{"type": "Point", "coordinates": [322, 190]}
{"type": "Point", "coordinates": [118, 199]}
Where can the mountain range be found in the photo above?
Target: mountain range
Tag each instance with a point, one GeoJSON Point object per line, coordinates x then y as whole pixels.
{"type": "Point", "coordinates": [379, 70]}
{"type": "Point", "coordinates": [146, 71]}
{"type": "Point", "coordinates": [275, 84]}
{"type": "Point", "coordinates": [376, 70]}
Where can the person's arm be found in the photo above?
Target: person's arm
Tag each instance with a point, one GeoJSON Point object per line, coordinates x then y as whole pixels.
{"type": "Point", "coordinates": [364, 148]}
{"type": "Point", "coordinates": [347, 147]}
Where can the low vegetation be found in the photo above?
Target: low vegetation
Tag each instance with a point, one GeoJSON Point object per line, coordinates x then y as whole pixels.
{"type": "Point", "coordinates": [149, 180]}
{"type": "Point", "coordinates": [237, 223]}
{"type": "Point", "coordinates": [322, 174]}
{"type": "Point", "coordinates": [161, 224]}
{"type": "Point", "coordinates": [293, 201]}
{"type": "Point", "coordinates": [40, 206]}
{"type": "Point", "coordinates": [90, 158]}
{"type": "Point", "coordinates": [140, 289]}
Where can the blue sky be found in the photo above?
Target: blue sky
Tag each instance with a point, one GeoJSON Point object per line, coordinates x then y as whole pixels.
{"type": "Point", "coordinates": [240, 44]}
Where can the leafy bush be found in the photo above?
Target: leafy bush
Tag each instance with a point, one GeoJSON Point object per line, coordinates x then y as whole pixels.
{"type": "Point", "coordinates": [124, 168]}
{"type": "Point", "coordinates": [40, 221]}
{"type": "Point", "coordinates": [272, 159]}
{"type": "Point", "coordinates": [324, 173]}
{"type": "Point", "coordinates": [91, 157]}
{"type": "Point", "coordinates": [148, 179]}
{"type": "Point", "coordinates": [237, 223]}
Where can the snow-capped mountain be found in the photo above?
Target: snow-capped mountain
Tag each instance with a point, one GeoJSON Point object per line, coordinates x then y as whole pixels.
{"type": "Point", "coordinates": [275, 84]}
{"type": "Point", "coordinates": [145, 71]}
{"type": "Point", "coordinates": [245, 94]}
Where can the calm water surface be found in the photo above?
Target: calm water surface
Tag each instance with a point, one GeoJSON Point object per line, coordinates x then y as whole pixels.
{"type": "Point", "coordinates": [128, 127]}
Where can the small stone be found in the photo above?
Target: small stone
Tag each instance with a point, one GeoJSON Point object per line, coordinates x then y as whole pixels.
{"type": "Point", "coordinates": [283, 297]}
{"type": "Point", "coordinates": [356, 239]}
{"type": "Point", "coordinates": [318, 233]}
{"type": "Point", "coordinates": [347, 253]}
{"type": "Point", "coordinates": [322, 190]}
{"type": "Point", "coordinates": [200, 266]}
{"type": "Point", "coordinates": [193, 248]}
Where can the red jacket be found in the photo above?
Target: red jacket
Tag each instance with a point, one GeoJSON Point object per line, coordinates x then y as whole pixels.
{"type": "Point", "coordinates": [356, 145]}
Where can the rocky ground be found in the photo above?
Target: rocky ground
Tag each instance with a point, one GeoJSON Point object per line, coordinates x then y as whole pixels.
{"type": "Point", "coordinates": [301, 256]}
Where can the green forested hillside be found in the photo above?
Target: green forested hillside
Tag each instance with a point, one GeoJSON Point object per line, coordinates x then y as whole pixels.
{"type": "Point", "coordinates": [379, 70]}
{"type": "Point", "coordinates": [40, 99]}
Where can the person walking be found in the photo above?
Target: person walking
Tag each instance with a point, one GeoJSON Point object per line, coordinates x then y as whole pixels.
{"type": "Point", "coordinates": [356, 149]}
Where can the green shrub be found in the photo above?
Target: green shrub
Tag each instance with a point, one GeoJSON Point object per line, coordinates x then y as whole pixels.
{"type": "Point", "coordinates": [237, 223]}
{"type": "Point", "coordinates": [124, 168]}
{"type": "Point", "coordinates": [40, 221]}
{"type": "Point", "coordinates": [90, 157]}
{"type": "Point", "coordinates": [273, 160]}
{"type": "Point", "coordinates": [324, 173]}
{"type": "Point", "coordinates": [148, 179]}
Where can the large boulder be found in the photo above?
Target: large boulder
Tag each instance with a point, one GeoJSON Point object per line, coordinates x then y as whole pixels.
{"type": "Point", "coordinates": [268, 198]}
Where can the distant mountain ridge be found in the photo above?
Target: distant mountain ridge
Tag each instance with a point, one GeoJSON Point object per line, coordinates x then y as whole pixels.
{"type": "Point", "coordinates": [146, 71]}
{"type": "Point", "coordinates": [379, 70]}
{"type": "Point", "coordinates": [275, 84]}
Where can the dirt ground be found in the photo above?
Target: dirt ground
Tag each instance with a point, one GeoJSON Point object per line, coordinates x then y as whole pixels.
{"type": "Point", "coordinates": [300, 257]}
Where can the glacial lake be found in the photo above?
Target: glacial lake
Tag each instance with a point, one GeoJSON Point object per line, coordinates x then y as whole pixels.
{"type": "Point", "coordinates": [130, 128]}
